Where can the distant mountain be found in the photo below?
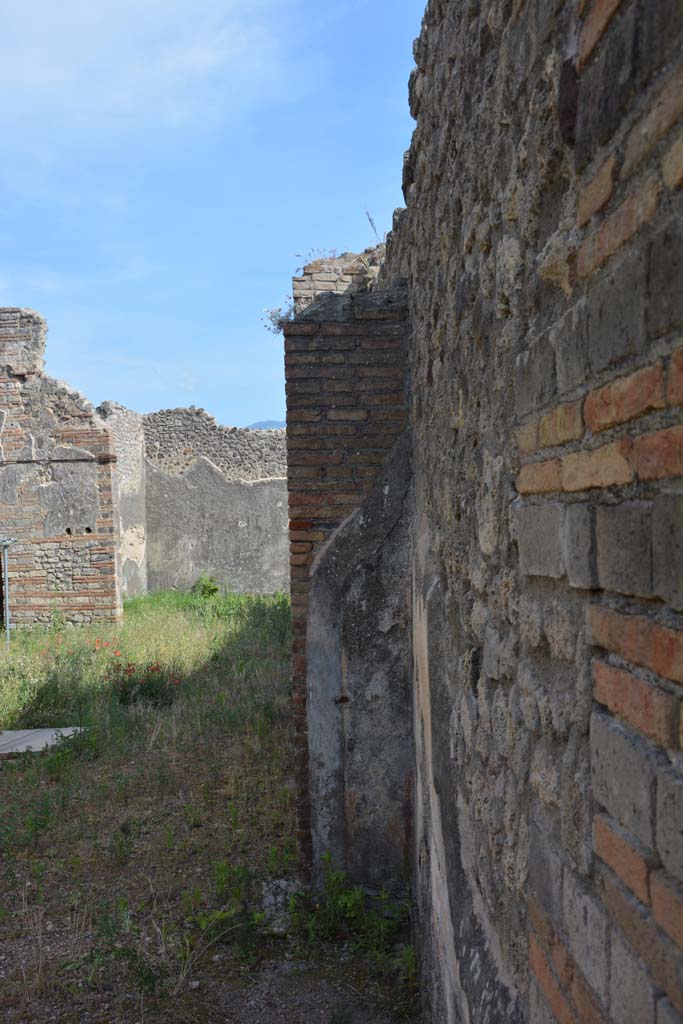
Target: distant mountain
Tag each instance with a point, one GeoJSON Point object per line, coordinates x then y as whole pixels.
{"type": "Point", "coordinates": [267, 425]}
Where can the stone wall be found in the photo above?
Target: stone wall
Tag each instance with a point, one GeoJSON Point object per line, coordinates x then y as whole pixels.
{"type": "Point", "coordinates": [126, 428]}
{"type": "Point", "coordinates": [176, 438]}
{"type": "Point", "coordinates": [542, 246]}
{"type": "Point", "coordinates": [56, 500]}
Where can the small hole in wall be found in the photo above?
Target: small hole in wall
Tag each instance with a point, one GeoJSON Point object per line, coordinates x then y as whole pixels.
{"type": "Point", "coordinates": [88, 529]}
{"type": "Point", "coordinates": [68, 531]}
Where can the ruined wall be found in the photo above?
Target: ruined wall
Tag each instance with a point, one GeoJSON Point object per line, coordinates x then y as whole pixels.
{"type": "Point", "coordinates": [543, 247]}
{"type": "Point", "coordinates": [56, 460]}
{"type": "Point", "coordinates": [348, 273]}
{"type": "Point", "coordinates": [126, 428]}
{"type": "Point", "coordinates": [175, 438]}
{"type": "Point", "coordinates": [215, 502]}
{"type": "Point", "coordinates": [346, 410]}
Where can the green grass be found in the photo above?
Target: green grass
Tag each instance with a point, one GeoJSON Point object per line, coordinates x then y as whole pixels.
{"type": "Point", "coordinates": [132, 857]}
{"type": "Point", "coordinates": [115, 839]}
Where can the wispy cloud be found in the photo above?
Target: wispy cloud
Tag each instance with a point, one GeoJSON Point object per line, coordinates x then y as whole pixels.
{"type": "Point", "coordinates": [123, 67]}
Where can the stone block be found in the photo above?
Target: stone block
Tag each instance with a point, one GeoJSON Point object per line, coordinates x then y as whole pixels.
{"type": "Point", "coordinates": [538, 529]}
{"type": "Point", "coordinates": [623, 772]}
{"type": "Point", "coordinates": [545, 872]}
{"type": "Point", "coordinates": [605, 87]}
{"type": "Point", "coordinates": [535, 376]}
{"type": "Point", "coordinates": [665, 282]}
{"type": "Point", "coordinates": [568, 338]}
{"type": "Point", "coordinates": [670, 820]}
{"type": "Point", "coordinates": [667, 549]}
{"type": "Point", "coordinates": [586, 924]}
{"type": "Point", "coordinates": [624, 543]}
{"type": "Point", "coordinates": [632, 998]}
{"type": "Point", "coordinates": [666, 1013]}
{"type": "Point", "coordinates": [616, 317]}
{"type": "Point", "coordinates": [539, 1011]}
{"type": "Point", "coordinates": [578, 546]}
{"type": "Point", "coordinates": [660, 26]}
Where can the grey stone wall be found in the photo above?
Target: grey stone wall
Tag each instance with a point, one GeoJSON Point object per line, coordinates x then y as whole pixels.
{"type": "Point", "coordinates": [543, 190]}
{"type": "Point", "coordinates": [175, 438]}
{"type": "Point", "coordinates": [201, 522]}
{"type": "Point", "coordinates": [126, 428]}
{"type": "Point", "coordinates": [541, 246]}
{"type": "Point", "coordinates": [56, 501]}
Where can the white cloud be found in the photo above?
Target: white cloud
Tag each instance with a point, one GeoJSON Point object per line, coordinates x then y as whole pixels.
{"type": "Point", "coordinates": [112, 67]}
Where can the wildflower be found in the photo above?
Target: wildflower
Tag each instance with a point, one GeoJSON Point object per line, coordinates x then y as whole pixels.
{"type": "Point", "coordinates": [106, 643]}
{"type": "Point", "coordinates": [117, 654]}
{"type": "Point", "coordinates": [98, 644]}
{"type": "Point", "coordinates": [176, 682]}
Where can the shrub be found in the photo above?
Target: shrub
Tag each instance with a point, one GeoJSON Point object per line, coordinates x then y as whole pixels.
{"type": "Point", "coordinates": [206, 586]}
{"type": "Point", "coordinates": [152, 683]}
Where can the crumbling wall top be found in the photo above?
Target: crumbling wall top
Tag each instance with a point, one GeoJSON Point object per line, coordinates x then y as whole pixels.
{"type": "Point", "coordinates": [176, 438]}
{"type": "Point", "coordinates": [23, 333]}
{"type": "Point", "coordinates": [350, 272]}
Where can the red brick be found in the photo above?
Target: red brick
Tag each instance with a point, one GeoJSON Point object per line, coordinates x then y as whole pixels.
{"type": "Point", "coordinates": [667, 653]}
{"type": "Point", "coordinates": [639, 640]}
{"type": "Point", "coordinates": [585, 1002]}
{"type": "Point", "coordinates": [539, 477]}
{"type": "Point", "coordinates": [541, 923]}
{"type": "Point", "coordinates": [667, 905]}
{"type": "Point", "coordinates": [617, 852]}
{"type": "Point", "coordinates": [548, 984]}
{"type": "Point", "coordinates": [562, 424]}
{"type": "Point", "coordinates": [672, 165]}
{"type": "Point", "coordinates": [597, 192]}
{"type": "Point", "coordinates": [655, 123]}
{"type": "Point", "coordinates": [527, 437]}
{"type": "Point", "coordinates": [303, 416]}
{"type": "Point", "coordinates": [300, 547]}
{"type": "Point", "coordinates": [635, 211]}
{"type": "Point", "coordinates": [626, 398]}
{"type": "Point", "coordinates": [355, 415]}
{"type": "Point", "coordinates": [659, 455]}
{"type": "Point", "coordinates": [300, 524]}
{"type": "Point", "coordinates": [647, 940]}
{"type": "Point", "coordinates": [603, 467]}
{"type": "Point", "coordinates": [675, 386]}
{"type": "Point", "coordinates": [301, 559]}
{"type": "Point", "coordinates": [651, 711]}
{"type": "Point", "coordinates": [597, 20]}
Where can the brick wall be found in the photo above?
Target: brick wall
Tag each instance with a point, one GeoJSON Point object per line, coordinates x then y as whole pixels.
{"type": "Point", "coordinates": [543, 248]}
{"type": "Point", "coordinates": [346, 406]}
{"type": "Point", "coordinates": [348, 273]}
{"type": "Point", "coordinates": [56, 499]}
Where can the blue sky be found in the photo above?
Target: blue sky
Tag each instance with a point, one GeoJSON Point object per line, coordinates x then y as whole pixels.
{"type": "Point", "coordinates": [166, 166]}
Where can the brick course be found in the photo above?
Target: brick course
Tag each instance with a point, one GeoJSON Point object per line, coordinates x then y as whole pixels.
{"type": "Point", "coordinates": [336, 442]}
